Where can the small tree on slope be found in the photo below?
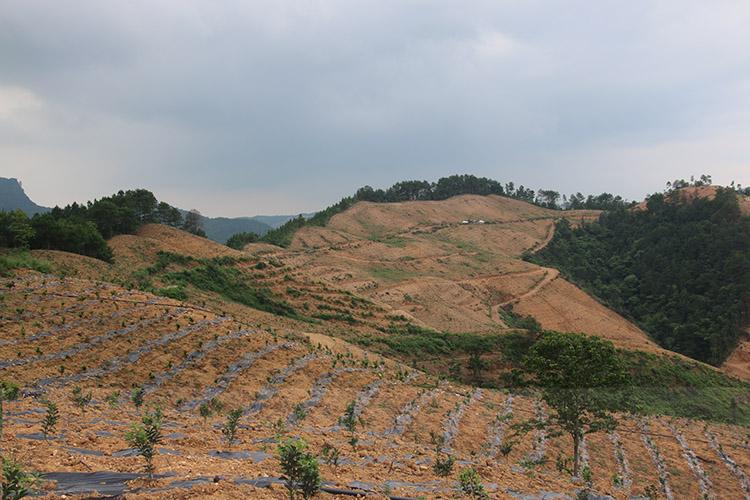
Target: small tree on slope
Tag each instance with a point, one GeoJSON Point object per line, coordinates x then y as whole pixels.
{"type": "Point", "coordinates": [145, 436]}
{"type": "Point", "coordinates": [300, 469]}
{"type": "Point", "coordinates": [579, 376]}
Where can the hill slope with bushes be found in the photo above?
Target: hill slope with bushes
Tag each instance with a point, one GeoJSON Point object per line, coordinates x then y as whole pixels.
{"type": "Point", "coordinates": [680, 268]}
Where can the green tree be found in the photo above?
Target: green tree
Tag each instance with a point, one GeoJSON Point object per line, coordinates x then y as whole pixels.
{"type": "Point", "coordinates": [300, 468]}
{"type": "Point", "coordinates": [112, 219]}
{"type": "Point", "coordinates": [15, 230]}
{"type": "Point", "coordinates": [548, 198]}
{"type": "Point", "coordinates": [144, 437]}
{"type": "Point", "coordinates": [194, 223]}
{"type": "Point", "coordinates": [477, 364]}
{"type": "Point", "coordinates": [580, 377]}
{"type": "Point", "coordinates": [168, 215]}
{"type": "Point", "coordinates": [239, 240]}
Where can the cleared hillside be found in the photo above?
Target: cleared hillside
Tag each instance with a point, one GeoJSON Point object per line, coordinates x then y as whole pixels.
{"type": "Point", "coordinates": [454, 264]}
{"type": "Point", "coordinates": [62, 333]}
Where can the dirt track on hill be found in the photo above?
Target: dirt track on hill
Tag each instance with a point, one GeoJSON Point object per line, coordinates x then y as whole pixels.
{"type": "Point", "coordinates": [419, 258]}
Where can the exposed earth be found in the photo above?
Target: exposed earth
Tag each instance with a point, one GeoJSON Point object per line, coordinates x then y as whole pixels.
{"type": "Point", "coordinates": [453, 265]}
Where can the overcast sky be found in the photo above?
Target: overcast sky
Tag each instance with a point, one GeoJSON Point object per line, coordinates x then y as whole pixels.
{"type": "Point", "coordinates": [240, 108]}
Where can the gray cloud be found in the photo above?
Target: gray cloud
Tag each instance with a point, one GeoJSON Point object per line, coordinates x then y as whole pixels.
{"type": "Point", "coordinates": [244, 107]}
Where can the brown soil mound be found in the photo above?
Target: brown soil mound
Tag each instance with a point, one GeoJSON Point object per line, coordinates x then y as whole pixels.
{"type": "Point", "coordinates": [139, 250]}
{"type": "Point", "coordinates": [178, 241]}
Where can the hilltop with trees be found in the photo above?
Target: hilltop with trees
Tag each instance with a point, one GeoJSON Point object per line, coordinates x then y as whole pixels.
{"type": "Point", "coordinates": [84, 228]}
{"type": "Point", "coordinates": [678, 266]}
{"type": "Point", "coordinates": [444, 188]}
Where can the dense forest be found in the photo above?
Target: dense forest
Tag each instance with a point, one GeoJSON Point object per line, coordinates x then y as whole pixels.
{"type": "Point", "coordinates": [444, 188]}
{"type": "Point", "coordinates": [680, 269]}
{"type": "Point", "coordinates": [84, 229]}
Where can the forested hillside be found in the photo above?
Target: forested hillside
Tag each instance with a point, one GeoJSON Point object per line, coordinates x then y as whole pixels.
{"type": "Point", "coordinates": [84, 228]}
{"type": "Point", "coordinates": [680, 268]}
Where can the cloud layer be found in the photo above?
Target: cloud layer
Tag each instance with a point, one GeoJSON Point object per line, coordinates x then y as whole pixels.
{"type": "Point", "coordinates": [238, 108]}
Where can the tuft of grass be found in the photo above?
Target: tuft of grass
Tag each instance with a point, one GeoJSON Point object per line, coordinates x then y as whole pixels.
{"type": "Point", "coordinates": [22, 260]}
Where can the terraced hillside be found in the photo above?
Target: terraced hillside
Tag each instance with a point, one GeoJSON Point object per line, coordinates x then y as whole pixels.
{"type": "Point", "coordinates": [59, 334]}
{"type": "Point", "coordinates": [455, 265]}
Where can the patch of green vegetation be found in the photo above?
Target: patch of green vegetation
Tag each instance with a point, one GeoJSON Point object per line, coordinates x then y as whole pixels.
{"type": "Point", "coordinates": [413, 340]}
{"type": "Point", "coordinates": [674, 386]}
{"type": "Point", "coordinates": [515, 320]}
{"type": "Point", "coordinates": [391, 241]}
{"type": "Point", "coordinates": [22, 260]}
{"type": "Point", "coordinates": [683, 388]}
{"type": "Point", "coordinates": [239, 240]}
{"type": "Point", "coordinates": [229, 282]}
{"type": "Point", "coordinates": [176, 292]}
{"type": "Point", "coordinates": [337, 316]}
{"type": "Point", "coordinates": [391, 274]}
{"type": "Point", "coordinates": [657, 385]}
{"type": "Point", "coordinates": [164, 259]}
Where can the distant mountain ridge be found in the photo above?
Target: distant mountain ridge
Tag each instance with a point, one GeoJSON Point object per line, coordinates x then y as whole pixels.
{"type": "Point", "coordinates": [219, 229]}
{"type": "Point", "coordinates": [13, 197]}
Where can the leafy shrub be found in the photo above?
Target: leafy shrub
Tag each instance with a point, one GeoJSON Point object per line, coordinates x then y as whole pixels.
{"type": "Point", "coordinates": [299, 412]}
{"type": "Point", "coordinates": [443, 465]}
{"type": "Point", "coordinates": [113, 398]}
{"type": "Point", "coordinates": [16, 482]}
{"type": "Point", "coordinates": [330, 454]}
{"type": "Point", "coordinates": [349, 421]}
{"type": "Point", "coordinates": [144, 437]}
{"type": "Point", "coordinates": [80, 399]}
{"type": "Point", "coordinates": [204, 410]}
{"type": "Point", "coordinates": [470, 483]}
{"type": "Point", "coordinates": [300, 468]}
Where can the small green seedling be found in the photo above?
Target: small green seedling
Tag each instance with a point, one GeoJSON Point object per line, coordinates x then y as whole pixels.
{"type": "Point", "coordinates": [230, 427]}
{"type": "Point", "coordinates": [49, 423]}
